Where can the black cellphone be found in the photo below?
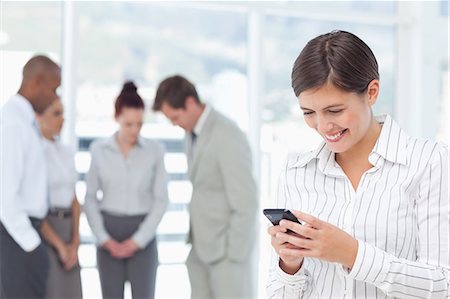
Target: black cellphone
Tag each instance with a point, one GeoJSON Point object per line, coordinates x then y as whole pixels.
{"type": "Point", "coordinates": [275, 215]}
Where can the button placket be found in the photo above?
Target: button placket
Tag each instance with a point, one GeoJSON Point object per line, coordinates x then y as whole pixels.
{"type": "Point", "coordinates": [128, 175]}
{"type": "Point", "coordinates": [347, 215]}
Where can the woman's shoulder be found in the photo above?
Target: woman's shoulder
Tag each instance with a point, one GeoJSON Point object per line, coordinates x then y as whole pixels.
{"type": "Point", "coordinates": [299, 159]}
{"type": "Point", "coordinates": [440, 153]}
{"type": "Point", "coordinates": [423, 149]}
{"type": "Point", "coordinates": [65, 149]}
{"type": "Point", "coordinates": [151, 145]}
{"type": "Point", "coordinates": [98, 144]}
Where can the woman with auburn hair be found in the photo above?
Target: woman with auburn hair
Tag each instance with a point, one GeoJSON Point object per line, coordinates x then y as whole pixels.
{"type": "Point", "coordinates": [129, 171]}
{"type": "Point", "coordinates": [373, 201]}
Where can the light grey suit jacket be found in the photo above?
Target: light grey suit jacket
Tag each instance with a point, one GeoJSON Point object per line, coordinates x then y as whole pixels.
{"type": "Point", "coordinates": [224, 202]}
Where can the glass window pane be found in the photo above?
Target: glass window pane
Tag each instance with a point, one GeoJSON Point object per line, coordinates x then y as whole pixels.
{"type": "Point", "coordinates": [146, 42]}
{"type": "Point", "coordinates": [45, 19]}
{"type": "Point", "coordinates": [369, 8]}
{"type": "Point", "coordinates": [28, 28]}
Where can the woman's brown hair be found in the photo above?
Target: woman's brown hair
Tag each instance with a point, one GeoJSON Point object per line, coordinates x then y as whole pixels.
{"type": "Point", "coordinates": [128, 97]}
{"type": "Point", "coordinates": [338, 57]}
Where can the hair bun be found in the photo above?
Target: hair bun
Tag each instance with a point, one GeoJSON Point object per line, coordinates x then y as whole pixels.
{"type": "Point", "coordinates": [129, 86]}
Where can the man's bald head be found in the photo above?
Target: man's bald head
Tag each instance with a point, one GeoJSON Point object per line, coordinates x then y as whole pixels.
{"type": "Point", "coordinates": [41, 78]}
{"type": "Point", "coordinates": [39, 65]}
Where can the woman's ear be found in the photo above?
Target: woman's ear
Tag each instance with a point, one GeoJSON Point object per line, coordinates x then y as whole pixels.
{"type": "Point", "coordinates": [372, 91]}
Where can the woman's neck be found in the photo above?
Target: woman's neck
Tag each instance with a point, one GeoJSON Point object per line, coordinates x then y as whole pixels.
{"type": "Point", "coordinates": [124, 146]}
{"type": "Point", "coordinates": [360, 152]}
{"type": "Point", "coordinates": [48, 136]}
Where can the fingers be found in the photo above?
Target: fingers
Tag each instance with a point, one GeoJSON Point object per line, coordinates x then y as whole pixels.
{"type": "Point", "coordinates": [273, 230]}
{"type": "Point", "coordinates": [114, 248]}
{"type": "Point", "coordinates": [118, 254]}
{"type": "Point", "coordinates": [124, 250]}
{"type": "Point", "coordinates": [297, 241]}
{"type": "Point", "coordinates": [296, 252]}
{"type": "Point", "coordinates": [311, 220]}
{"type": "Point", "coordinates": [303, 230]}
{"type": "Point", "coordinates": [127, 246]}
{"type": "Point", "coordinates": [63, 254]}
{"type": "Point", "coordinates": [70, 264]}
{"type": "Point", "coordinates": [116, 251]}
{"type": "Point", "coordinates": [122, 254]}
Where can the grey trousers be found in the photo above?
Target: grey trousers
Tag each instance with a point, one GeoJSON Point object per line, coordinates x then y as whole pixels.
{"type": "Point", "coordinates": [222, 279]}
{"type": "Point", "coordinates": [22, 274]}
{"type": "Point", "coordinates": [62, 283]}
{"type": "Point", "coordinates": [139, 270]}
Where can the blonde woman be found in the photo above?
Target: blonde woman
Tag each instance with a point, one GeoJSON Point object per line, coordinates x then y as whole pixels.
{"type": "Point", "coordinates": [60, 227]}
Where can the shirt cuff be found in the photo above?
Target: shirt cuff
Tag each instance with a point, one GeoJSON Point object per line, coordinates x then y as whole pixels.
{"type": "Point", "coordinates": [29, 241]}
{"type": "Point", "coordinates": [102, 238]}
{"type": "Point", "coordinates": [371, 264]}
{"type": "Point", "coordinates": [297, 280]}
{"type": "Point", "coordinates": [141, 240]}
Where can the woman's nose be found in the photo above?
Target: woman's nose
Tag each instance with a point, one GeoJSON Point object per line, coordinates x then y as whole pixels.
{"type": "Point", "coordinates": [324, 125]}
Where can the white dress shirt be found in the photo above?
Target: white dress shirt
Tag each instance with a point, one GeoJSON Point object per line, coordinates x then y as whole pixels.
{"type": "Point", "coordinates": [201, 120]}
{"type": "Point", "coordinates": [129, 186]}
{"type": "Point", "coordinates": [62, 175]}
{"type": "Point", "coordinates": [399, 213]}
{"type": "Point", "coordinates": [23, 172]}
{"type": "Point", "coordinates": [197, 130]}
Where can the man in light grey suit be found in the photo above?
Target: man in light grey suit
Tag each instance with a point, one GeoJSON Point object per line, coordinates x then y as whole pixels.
{"type": "Point", "coordinates": [224, 200]}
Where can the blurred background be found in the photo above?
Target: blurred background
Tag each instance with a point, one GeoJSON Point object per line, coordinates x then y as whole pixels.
{"type": "Point", "coordinates": [239, 55]}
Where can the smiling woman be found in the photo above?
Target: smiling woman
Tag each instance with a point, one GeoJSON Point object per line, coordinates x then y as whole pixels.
{"type": "Point", "coordinates": [342, 118]}
{"type": "Point", "coordinates": [374, 200]}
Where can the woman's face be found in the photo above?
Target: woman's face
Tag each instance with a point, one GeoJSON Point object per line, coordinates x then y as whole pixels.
{"type": "Point", "coordinates": [52, 119]}
{"type": "Point", "coordinates": [342, 118]}
{"type": "Point", "coordinates": [130, 123]}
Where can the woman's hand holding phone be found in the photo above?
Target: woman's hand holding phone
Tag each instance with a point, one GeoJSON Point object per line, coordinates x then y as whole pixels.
{"type": "Point", "coordinates": [289, 262]}
{"type": "Point", "coordinates": [320, 240]}
{"type": "Point", "coordinates": [315, 238]}
{"type": "Point", "coordinates": [279, 235]}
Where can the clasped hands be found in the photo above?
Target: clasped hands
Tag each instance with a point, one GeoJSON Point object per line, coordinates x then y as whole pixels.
{"type": "Point", "coordinates": [68, 255]}
{"type": "Point", "coordinates": [315, 238]}
{"type": "Point", "coordinates": [121, 250]}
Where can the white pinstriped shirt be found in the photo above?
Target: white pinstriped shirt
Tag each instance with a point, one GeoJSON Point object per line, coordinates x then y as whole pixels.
{"type": "Point", "coordinates": [399, 213]}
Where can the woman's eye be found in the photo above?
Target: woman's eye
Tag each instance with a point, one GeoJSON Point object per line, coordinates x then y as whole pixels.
{"type": "Point", "coordinates": [307, 113]}
{"type": "Point", "coordinates": [335, 111]}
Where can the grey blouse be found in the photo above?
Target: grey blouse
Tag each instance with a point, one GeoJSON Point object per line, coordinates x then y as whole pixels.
{"type": "Point", "coordinates": [126, 186]}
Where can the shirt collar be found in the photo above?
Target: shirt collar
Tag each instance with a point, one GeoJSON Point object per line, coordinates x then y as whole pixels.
{"type": "Point", "coordinates": [201, 120]}
{"type": "Point", "coordinates": [112, 142]}
{"type": "Point", "coordinates": [320, 152]}
{"type": "Point", "coordinates": [25, 108]}
{"type": "Point", "coordinates": [391, 146]}
{"type": "Point", "coordinates": [325, 157]}
{"type": "Point", "coordinates": [392, 142]}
